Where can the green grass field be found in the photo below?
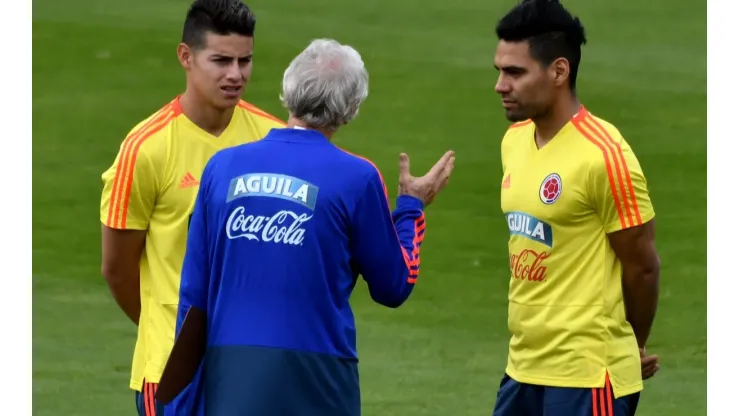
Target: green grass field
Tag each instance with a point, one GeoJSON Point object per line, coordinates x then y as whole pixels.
{"type": "Point", "coordinates": [99, 67]}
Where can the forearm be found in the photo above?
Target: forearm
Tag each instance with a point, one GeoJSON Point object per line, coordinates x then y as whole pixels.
{"type": "Point", "coordinates": [122, 250]}
{"type": "Point", "coordinates": [641, 301]}
{"type": "Point", "coordinates": [390, 257]}
{"type": "Point", "coordinates": [410, 225]}
{"type": "Point", "coordinates": [189, 298]}
{"type": "Point", "coordinates": [126, 293]}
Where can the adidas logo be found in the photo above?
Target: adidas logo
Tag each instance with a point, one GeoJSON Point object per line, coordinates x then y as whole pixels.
{"type": "Point", "coordinates": [188, 181]}
{"type": "Point", "coordinates": [506, 184]}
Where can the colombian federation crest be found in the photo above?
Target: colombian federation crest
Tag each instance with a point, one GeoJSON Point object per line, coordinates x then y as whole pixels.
{"type": "Point", "coordinates": [551, 188]}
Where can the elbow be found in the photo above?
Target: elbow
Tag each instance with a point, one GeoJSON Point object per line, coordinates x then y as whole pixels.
{"type": "Point", "coordinates": [393, 301]}
{"type": "Point", "coordinates": [391, 297]}
{"type": "Point", "coordinates": [108, 272]}
{"type": "Point", "coordinates": [647, 271]}
{"type": "Point", "coordinates": [652, 268]}
{"type": "Point", "coordinates": [113, 274]}
{"type": "Point", "coordinates": [395, 295]}
{"type": "Point", "coordinates": [656, 267]}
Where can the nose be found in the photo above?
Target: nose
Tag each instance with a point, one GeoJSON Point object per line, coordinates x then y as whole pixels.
{"type": "Point", "coordinates": [234, 73]}
{"type": "Point", "coordinates": [502, 86]}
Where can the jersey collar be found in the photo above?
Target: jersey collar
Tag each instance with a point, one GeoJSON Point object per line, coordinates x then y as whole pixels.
{"type": "Point", "coordinates": [295, 134]}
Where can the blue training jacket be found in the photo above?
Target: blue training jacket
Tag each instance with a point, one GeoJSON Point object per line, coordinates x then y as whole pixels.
{"type": "Point", "coordinates": [280, 232]}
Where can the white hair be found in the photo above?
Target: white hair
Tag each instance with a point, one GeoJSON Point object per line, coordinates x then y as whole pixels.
{"type": "Point", "coordinates": [325, 85]}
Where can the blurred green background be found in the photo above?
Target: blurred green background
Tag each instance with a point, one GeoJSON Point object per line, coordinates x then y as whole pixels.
{"type": "Point", "coordinates": [99, 67]}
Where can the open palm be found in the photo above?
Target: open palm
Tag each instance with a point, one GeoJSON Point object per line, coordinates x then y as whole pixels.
{"type": "Point", "coordinates": [428, 186]}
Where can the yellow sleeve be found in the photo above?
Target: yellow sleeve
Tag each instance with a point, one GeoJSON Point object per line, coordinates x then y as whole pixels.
{"type": "Point", "coordinates": [620, 191]}
{"type": "Point", "coordinates": [129, 188]}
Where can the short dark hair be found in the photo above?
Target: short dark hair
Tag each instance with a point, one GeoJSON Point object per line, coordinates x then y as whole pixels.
{"type": "Point", "coordinates": [223, 17]}
{"type": "Point", "coordinates": [550, 29]}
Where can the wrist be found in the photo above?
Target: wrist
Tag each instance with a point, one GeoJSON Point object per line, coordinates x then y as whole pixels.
{"type": "Point", "coordinates": [409, 202]}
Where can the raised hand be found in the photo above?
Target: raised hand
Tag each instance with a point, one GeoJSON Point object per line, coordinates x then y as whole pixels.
{"type": "Point", "coordinates": [428, 186]}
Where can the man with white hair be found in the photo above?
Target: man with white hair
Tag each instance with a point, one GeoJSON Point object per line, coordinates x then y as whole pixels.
{"type": "Point", "coordinates": [282, 229]}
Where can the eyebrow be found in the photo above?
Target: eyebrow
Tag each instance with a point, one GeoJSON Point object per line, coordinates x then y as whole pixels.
{"type": "Point", "coordinates": [222, 56]}
{"type": "Point", "coordinates": [509, 68]}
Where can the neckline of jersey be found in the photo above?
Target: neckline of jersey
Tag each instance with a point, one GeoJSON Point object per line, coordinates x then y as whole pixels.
{"type": "Point", "coordinates": [577, 117]}
{"type": "Point", "coordinates": [178, 109]}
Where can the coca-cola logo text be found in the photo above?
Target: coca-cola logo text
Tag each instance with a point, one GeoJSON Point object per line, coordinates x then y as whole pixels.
{"type": "Point", "coordinates": [283, 227]}
{"type": "Point", "coordinates": [528, 265]}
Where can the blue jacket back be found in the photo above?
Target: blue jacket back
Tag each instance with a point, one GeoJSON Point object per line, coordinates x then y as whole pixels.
{"type": "Point", "coordinates": [280, 232]}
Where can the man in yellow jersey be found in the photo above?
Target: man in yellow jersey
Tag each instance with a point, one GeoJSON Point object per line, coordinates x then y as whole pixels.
{"type": "Point", "coordinates": [149, 191]}
{"type": "Point", "coordinates": [584, 270]}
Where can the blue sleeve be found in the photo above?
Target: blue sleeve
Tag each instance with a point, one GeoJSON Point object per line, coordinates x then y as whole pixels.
{"type": "Point", "coordinates": [385, 246]}
{"type": "Point", "coordinates": [196, 266]}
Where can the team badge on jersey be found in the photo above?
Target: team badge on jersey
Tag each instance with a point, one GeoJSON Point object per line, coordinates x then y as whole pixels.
{"type": "Point", "coordinates": [551, 188]}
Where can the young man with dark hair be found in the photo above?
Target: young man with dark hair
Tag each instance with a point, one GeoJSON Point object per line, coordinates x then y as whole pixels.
{"type": "Point", "coordinates": [584, 270]}
{"type": "Point", "coordinates": [149, 191]}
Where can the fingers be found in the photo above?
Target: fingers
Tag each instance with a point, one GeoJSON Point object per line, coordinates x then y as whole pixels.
{"type": "Point", "coordinates": [449, 167]}
{"type": "Point", "coordinates": [650, 372]}
{"type": "Point", "coordinates": [444, 178]}
{"type": "Point", "coordinates": [649, 360]}
{"type": "Point", "coordinates": [438, 169]}
{"type": "Point", "coordinates": [650, 366]}
{"type": "Point", "coordinates": [404, 168]}
{"type": "Point", "coordinates": [436, 178]}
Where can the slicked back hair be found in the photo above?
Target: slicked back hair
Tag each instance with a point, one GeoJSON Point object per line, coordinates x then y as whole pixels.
{"type": "Point", "coordinates": [222, 17]}
{"type": "Point", "coordinates": [549, 28]}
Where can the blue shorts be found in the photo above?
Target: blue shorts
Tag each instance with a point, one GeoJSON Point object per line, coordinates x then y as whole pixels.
{"type": "Point", "coordinates": [520, 399]}
{"type": "Point", "coordinates": [248, 380]}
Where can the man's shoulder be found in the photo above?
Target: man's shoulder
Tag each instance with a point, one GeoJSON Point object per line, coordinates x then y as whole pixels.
{"type": "Point", "coordinates": [516, 125]}
{"type": "Point", "coordinates": [514, 132]}
{"type": "Point", "coordinates": [516, 135]}
{"type": "Point", "coordinates": [599, 131]}
{"type": "Point", "coordinates": [601, 142]}
{"type": "Point", "coordinates": [519, 128]}
{"type": "Point", "coordinates": [357, 163]}
{"type": "Point", "coordinates": [259, 115]}
{"type": "Point", "coordinates": [605, 155]}
{"type": "Point", "coordinates": [146, 141]}
{"type": "Point", "coordinates": [148, 135]}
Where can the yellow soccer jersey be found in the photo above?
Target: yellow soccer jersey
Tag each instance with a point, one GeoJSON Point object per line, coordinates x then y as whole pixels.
{"type": "Point", "coordinates": [152, 186]}
{"type": "Point", "coordinates": [566, 310]}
